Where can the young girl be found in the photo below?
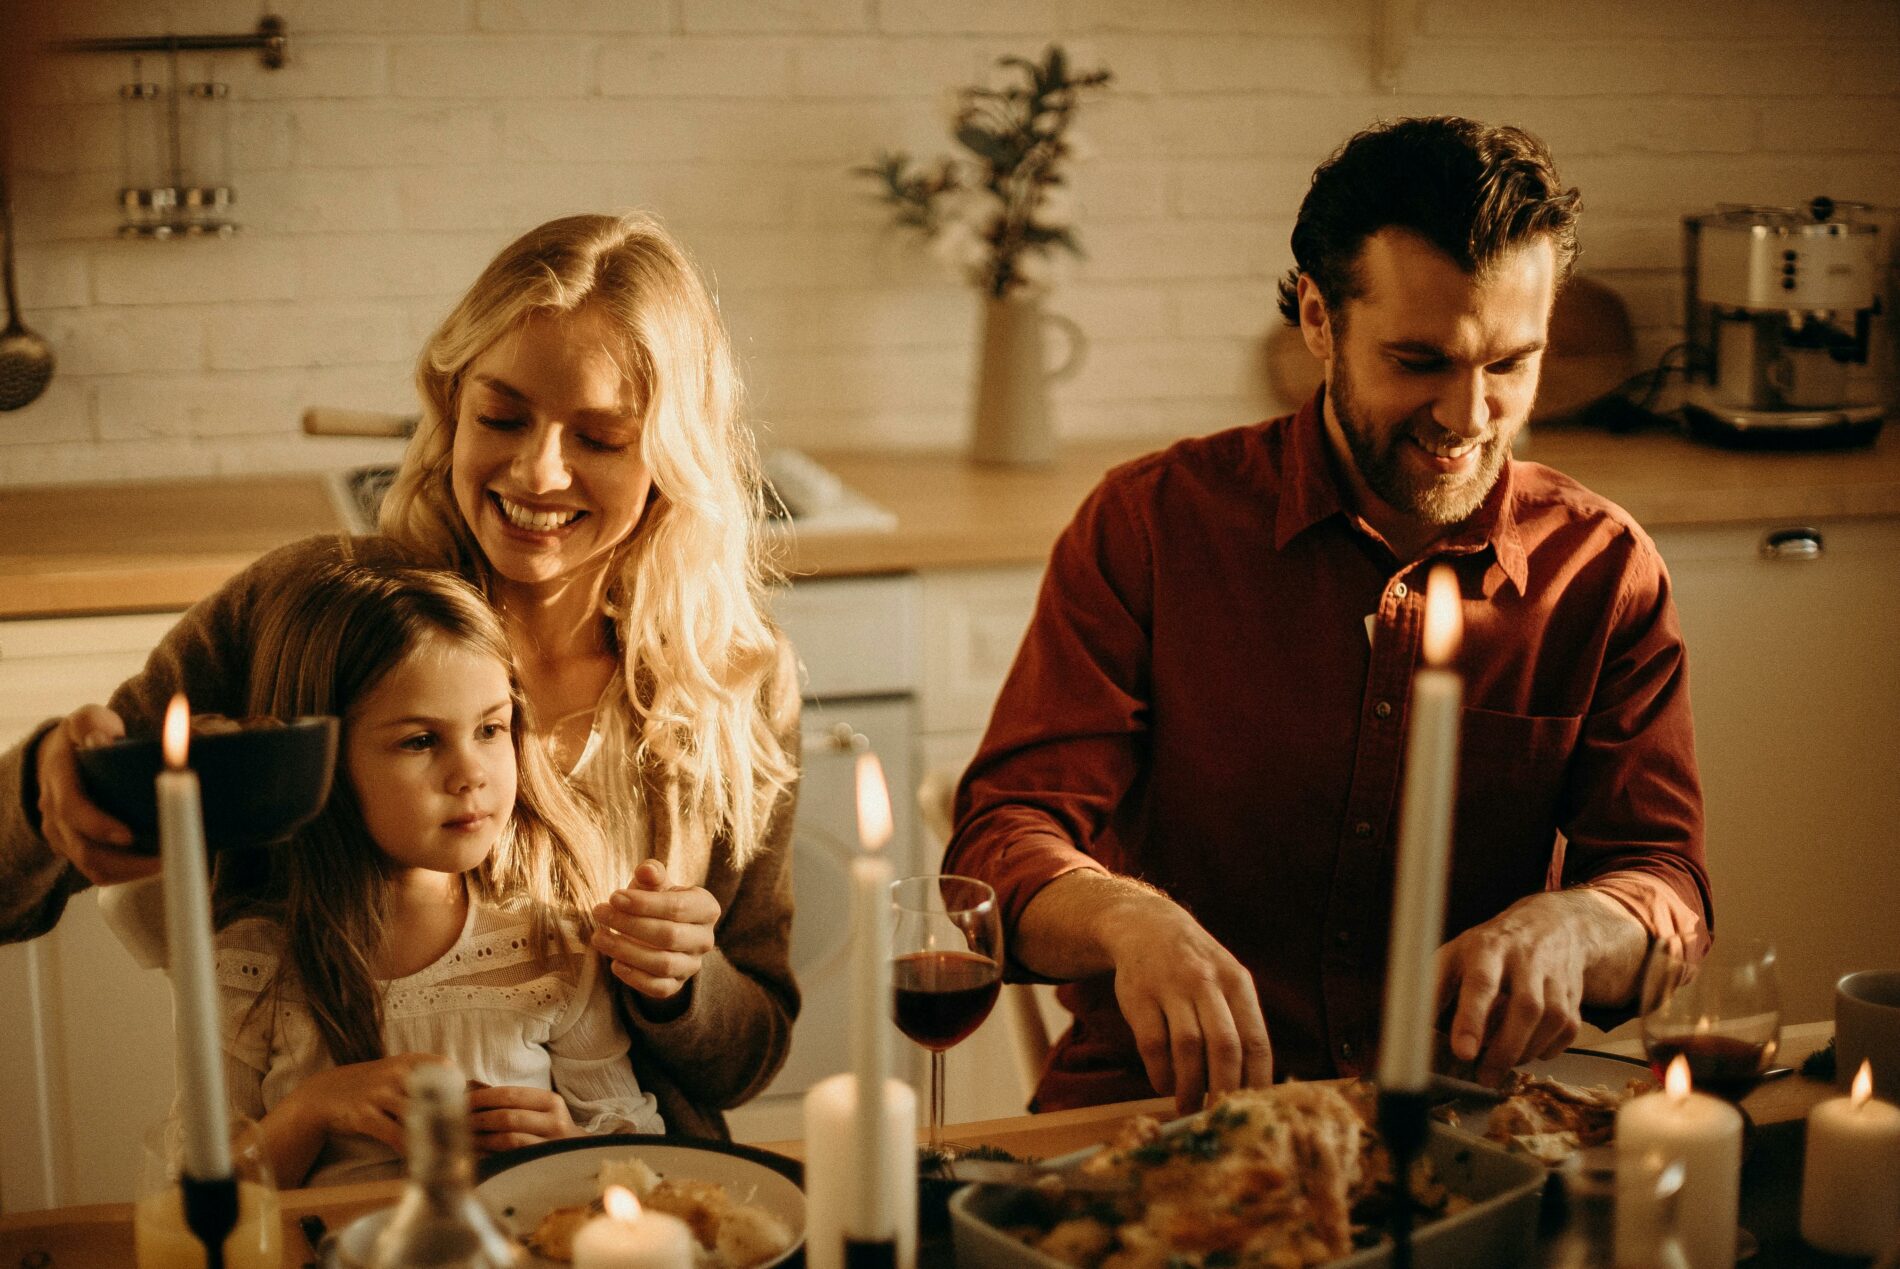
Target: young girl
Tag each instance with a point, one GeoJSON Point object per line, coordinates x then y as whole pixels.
{"type": "Point", "coordinates": [434, 909]}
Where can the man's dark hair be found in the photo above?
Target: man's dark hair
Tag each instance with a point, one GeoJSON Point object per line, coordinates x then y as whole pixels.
{"type": "Point", "coordinates": [1470, 190]}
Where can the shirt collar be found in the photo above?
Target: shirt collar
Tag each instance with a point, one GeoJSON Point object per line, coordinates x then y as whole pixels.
{"type": "Point", "coordinates": [1313, 488]}
{"type": "Point", "coordinates": [1309, 482]}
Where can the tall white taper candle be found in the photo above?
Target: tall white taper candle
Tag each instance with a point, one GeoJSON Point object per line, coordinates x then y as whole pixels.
{"type": "Point", "coordinates": [188, 939]}
{"type": "Point", "coordinates": [871, 1024]}
{"type": "Point", "coordinates": [1418, 906]}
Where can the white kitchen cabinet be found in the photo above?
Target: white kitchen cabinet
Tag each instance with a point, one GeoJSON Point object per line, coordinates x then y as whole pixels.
{"type": "Point", "coordinates": [1794, 672]}
{"type": "Point", "coordinates": [973, 624]}
{"type": "Point", "coordinates": [85, 1034]}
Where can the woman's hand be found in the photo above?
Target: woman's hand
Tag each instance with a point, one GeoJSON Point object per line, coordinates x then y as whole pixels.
{"type": "Point", "coordinates": [507, 1118]}
{"type": "Point", "coordinates": [96, 844]}
{"type": "Point", "coordinates": [656, 934]}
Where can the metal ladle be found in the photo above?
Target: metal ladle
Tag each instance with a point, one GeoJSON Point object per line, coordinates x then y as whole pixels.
{"type": "Point", "coordinates": [26, 360]}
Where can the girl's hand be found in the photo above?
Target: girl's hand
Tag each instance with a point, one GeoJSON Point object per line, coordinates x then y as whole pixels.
{"type": "Point", "coordinates": [656, 934]}
{"type": "Point", "coordinates": [505, 1118]}
{"type": "Point", "coordinates": [366, 1099]}
{"type": "Point", "coordinates": [73, 825]}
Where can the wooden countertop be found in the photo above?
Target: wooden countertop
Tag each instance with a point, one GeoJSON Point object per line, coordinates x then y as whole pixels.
{"type": "Point", "coordinates": [79, 549]}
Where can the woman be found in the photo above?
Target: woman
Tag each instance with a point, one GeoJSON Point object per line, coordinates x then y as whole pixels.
{"type": "Point", "coordinates": [579, 459]}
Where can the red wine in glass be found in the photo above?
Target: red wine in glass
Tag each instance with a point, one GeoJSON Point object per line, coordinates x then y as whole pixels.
{"type": "Point", "coordinates": [1725, 1065]}
{"type": "Point", "coordinates": [943, 996]}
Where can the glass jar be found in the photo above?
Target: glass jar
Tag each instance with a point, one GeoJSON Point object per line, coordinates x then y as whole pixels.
{"type": "Point", "coordinates": [147, 192]}
{"type": "Point", "coordinates": [204, 140]}
{"type": "Point", "coordinates": [1594, 1234]}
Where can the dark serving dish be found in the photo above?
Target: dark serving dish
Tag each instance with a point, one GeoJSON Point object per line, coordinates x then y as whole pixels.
{"type": "Point", "coordinates": [258, 785]}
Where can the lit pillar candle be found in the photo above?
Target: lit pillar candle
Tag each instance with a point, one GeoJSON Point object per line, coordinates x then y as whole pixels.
{"type": "Point", "coordinates": [1706, 1135]}
{"type": "Point", "coordinates": [1418, 908]}
{"type": "Point", "coordinates": [627, 1237]}
{"type": "Point", "coordinates": [188, 943]}
{"type": "Point", "coordinates": [1850, 1181]}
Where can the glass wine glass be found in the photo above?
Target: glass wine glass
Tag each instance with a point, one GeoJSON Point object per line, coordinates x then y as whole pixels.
{"type": "Point", "coordinates": [947, 968]}
{"type": "Point", "coordinates": [1718, 1005]}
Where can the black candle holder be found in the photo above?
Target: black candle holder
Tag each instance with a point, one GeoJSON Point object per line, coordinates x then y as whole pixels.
{"type": "Point", "coordinates": [211, 1213]}
{"type": "Point", "coordinates": [1404, 1124]}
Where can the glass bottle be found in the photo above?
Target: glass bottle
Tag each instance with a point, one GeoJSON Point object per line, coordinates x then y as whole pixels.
{"type": "Point", "coordinates": [440, 1222]}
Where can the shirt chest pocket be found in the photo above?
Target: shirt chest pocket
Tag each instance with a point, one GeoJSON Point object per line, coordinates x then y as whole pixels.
{"type": "Point", "coordinates": [1511, 770]}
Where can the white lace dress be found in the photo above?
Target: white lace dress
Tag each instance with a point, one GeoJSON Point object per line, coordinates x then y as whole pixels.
{"type": "Point", "coordinates": [504, 1018]}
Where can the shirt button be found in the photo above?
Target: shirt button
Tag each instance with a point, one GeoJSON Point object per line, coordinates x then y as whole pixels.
{"type": "Point", "coordinates": [1362, 829]}
{"type": "Point", "coordinates": [1383, 709]}
{"type": "Point", "coordinates": [1345, 1050]}
{"type": "Point", "coordinates": [1399, 591]}
{"type": "Point", "coordinates": [1343, 937]}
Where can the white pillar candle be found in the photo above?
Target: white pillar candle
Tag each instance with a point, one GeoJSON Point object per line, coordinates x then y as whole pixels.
{"type": "Point", "coordinates": [628, 1237]}
{"type": "Point", "coordinates": [1850, 1180]}
{"type": "Point", "coordinates": [870, 1215]}
{"type": "Point", "coordinates": [1418, 906]}
{"type": "Point", "coordinates": [1706, 1135]}
{"type": "Point", "coordinates": [181, 843]}
{"type": "Point", "coordinates": [835, 1173]}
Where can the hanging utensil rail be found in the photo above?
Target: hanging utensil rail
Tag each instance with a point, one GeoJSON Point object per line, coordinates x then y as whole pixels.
{"type": "Point", "coordinates": [270, 39]}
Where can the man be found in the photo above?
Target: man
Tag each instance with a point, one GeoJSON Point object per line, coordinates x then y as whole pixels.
{"type": "Point", "coordinates": [1188, 796]}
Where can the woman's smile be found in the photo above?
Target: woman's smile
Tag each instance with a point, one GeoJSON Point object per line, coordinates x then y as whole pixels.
{"type": "Point", "coordinates": [531, 519]}
{"type": "Point", "coordinates": [546, 466]}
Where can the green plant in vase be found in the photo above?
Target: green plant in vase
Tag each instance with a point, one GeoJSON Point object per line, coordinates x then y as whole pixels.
{"type": "Point", "coordinates": [996, 217]}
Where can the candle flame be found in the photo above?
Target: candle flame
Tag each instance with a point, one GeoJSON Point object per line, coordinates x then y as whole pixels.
{"type": "Point", "coordinates": [1863, 1084]}
{"type": "Point", "coordinates": [620, 1203]}
{"type": "Point", "coordinates": [177, 733]}
{"type": "Point", "coordinates": [1676, 1079]}
{"type": "Point", "coordinates": [1444, 628]}
{"type": "Point", "coordinates": [874, 803]}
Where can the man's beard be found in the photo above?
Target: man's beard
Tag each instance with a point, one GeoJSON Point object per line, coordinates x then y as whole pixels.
{"type": "Point", "coordinates": [1435, 500]}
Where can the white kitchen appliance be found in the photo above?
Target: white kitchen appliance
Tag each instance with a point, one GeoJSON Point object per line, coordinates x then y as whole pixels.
{"type": "Point", "coordinates": [1783, 306]}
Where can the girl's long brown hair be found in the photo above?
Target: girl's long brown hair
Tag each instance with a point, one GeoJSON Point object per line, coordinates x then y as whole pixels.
{"type": "Point", "coordinates": [322, 646]}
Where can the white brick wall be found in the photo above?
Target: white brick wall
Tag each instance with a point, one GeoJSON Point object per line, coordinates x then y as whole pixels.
{"type": "Point", "coordinates": [406, 141]}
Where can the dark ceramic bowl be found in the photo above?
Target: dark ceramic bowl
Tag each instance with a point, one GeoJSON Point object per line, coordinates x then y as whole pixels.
{"type": "Point", "coordinates": [258, 785]}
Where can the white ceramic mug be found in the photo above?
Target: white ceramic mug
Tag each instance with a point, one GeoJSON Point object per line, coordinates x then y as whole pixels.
{"type": "Point", "coordinates": [1867, 1028]}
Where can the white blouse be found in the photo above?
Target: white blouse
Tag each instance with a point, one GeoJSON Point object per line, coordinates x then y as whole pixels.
{"type": "Point", "coordinates": [486, 1003]}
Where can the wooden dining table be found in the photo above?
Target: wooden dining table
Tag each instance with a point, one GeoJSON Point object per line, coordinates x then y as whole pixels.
{"type": "Point", "coordinates": [99, 1236]}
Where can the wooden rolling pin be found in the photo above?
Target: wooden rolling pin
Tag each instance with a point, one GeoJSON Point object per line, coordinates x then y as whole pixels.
{"type": "Point", "coordinates": [321, 420]}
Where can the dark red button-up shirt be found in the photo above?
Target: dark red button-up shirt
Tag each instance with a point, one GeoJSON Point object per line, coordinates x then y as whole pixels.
{"type": "Point", "coordinates": [1212, 696]}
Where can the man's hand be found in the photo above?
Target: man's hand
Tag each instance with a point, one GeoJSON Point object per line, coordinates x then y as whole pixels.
{"type": "Point", "coordinates": [506, 1118]}
{"type": "Point", "coordinates": [656, 934]}
{"type": "Point", "coordinates": [1521, 978]}
{"type": "Point", "coordinates": [1191, 1005]}
{"type": "Point", "coordinates": [96, 844]}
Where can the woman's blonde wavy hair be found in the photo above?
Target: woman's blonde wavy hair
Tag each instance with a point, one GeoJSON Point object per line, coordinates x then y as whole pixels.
{"type": "Point", "coordinates": [686, 595]}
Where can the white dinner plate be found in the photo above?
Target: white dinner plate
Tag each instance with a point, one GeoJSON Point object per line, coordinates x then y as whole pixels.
{"type": "Point", "coordinates": [522, 1186]}
{"type": "Point", "coordinates": [1581, 1067]}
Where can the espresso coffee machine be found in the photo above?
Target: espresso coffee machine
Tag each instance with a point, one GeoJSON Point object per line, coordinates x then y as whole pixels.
{"type": "Point", "coordinates": [1784, 309]}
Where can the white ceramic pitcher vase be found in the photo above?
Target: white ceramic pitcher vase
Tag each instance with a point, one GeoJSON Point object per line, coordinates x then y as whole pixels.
{"type": "Point", "coordinates": [1011, 425]}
